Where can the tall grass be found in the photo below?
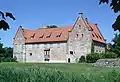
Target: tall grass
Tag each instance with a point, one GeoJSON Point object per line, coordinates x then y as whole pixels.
{"type": "Point", "coordinates": [37, 74]}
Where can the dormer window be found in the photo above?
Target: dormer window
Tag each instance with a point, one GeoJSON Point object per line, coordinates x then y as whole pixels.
{"type": "Point", "coordinates": [48, 36]}
{"type": "Point", "coordinates": [96, 35]}
{"type": "Point", "coordinates": [41, 36]}
{"type": "Point", "coordinates": [32, 36]}
{"type": "Point", "coordinates": [100, 37]}
{"type": "Point", "coordinates": [59, 34]}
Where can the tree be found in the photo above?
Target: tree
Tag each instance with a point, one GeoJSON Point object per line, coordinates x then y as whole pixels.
{"type": "Point", "coordinates": [115, 5]}
{"type": "Point", "coordinates": [3, 24]}
{"type": "Point", "coordinates": [52, 26]}
{"type": "Point", "coordinates": [116, 45]}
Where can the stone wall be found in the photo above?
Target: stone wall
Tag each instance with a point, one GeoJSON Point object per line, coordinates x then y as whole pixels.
{"type": "Point", "coordinates": [18, 45]}
{"type": "Point", "coordinates": [57, 52]}
{"type": "Point", "coordinates": [107, 63]}
{"type": "Point", "coordinates": [80, 40]}
{"type": "Point", "coordinates": [99, 47]}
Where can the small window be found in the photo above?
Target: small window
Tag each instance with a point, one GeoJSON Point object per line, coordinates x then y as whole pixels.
{"type": "Point", "coordinates": [32, 36]}
{"type": "Point", "coordinates": [48, 36]}
{"type": "Point", "coordinates": [93, 35]}
{"type": "Point", "coordinates": [59, 34]}
{"type": "Point", "coordinates": [71, 52]}
{"type": "Point", "coordinates": [41, 36]}
{"type": "Point", "coordinates": [82, 35]}
{"type": "Point", "coordinates": [30, 54]}
{"type": "Point", "coordinates": [77, 35]}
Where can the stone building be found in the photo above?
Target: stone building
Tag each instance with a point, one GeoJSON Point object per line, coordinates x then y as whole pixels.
{"type": "Point", "coordinates": [61, 44]}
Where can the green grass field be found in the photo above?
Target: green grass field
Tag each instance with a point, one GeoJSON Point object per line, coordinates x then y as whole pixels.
{"type": "Point", "coordinates": [49, 72]}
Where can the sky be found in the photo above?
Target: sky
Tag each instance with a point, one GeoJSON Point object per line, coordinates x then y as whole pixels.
{"type": "Point", "coordinates": [32, 14]}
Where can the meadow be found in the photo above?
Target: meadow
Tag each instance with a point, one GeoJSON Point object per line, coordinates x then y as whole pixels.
{"type": "Point", "coordinates": [54, 72]}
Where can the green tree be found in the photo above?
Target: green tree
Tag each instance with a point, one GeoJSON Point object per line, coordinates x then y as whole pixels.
{"type": "Point", "coordinates": [3, 23]}
{"type": "Point", "coordinates": [115, 6]}
{"type": "Point", "coordinates": [116, 45]}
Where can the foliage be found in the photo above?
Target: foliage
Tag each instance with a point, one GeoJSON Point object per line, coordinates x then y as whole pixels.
{"type": "Point", "coordinates": [92, 58]}
{"type": "Point", "coordinates": [3, 24]}
{"type": "Point", "coordinates": [108, 55]}
{"type": "Point", "coordinates": [6, 54]}
{"type": "Point", "coordinates": [39, 73]}
{"type": "Point", "coordinates": [115, 5]}
{"type": "Point", "coordinates": [52, 26]}
{"type": "Point", "coordinates": [81, 59]}
{"type": "Point", "coordinates": [116, 45]}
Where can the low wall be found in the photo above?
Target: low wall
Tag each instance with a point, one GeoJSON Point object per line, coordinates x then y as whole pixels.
{"type": "Point", "coordinates": [107, 63]}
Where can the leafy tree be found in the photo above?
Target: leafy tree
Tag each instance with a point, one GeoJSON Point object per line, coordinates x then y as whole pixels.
{"type": "Point", "coordinates": [116, 45]}
{"type": "Point", "coordinates": [3, 24]}
{"type": "Point", "coordinates": [52, 26]}
{"type": "Point", "coordinates": [115, 5]}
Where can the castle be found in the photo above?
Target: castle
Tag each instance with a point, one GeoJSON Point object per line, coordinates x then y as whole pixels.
{"type": "Point", "coordinates": [60, 45]}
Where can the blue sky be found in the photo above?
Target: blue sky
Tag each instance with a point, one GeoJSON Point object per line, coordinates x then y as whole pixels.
{"type": "Point", "coordinates": [32, 14]}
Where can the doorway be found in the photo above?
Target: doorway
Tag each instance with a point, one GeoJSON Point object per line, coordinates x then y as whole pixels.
{"type": "Point", "coordinates": [68, 60]}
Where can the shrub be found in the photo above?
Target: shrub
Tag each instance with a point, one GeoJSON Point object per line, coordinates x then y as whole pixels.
{"type": "Point", "coordinates": [108, 55]}
{"type": "Point", "coordinates": [92, 58]}
{"type": "Point", "coordinates": [81, 59]}
{"type": "Point", "coordinates": [8, 59]}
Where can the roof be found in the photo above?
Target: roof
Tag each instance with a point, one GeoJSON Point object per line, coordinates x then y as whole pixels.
{"type": "Point", "coordinates": [47, 34]}
{"type": "Point", "coordinates": [96, 34]}
{"type": "Point", "coordinates": [57, 34]}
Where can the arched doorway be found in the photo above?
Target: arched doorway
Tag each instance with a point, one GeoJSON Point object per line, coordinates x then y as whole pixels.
{"type": "Point", "coordinates": [68, 60]}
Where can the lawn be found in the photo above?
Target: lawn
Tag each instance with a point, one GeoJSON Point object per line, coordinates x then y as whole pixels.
{"type": "Point", "coordinates": [54, 72]}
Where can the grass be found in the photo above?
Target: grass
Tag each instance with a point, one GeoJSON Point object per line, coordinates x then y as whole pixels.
{"type": "Point", "coordinates": [49, 72]}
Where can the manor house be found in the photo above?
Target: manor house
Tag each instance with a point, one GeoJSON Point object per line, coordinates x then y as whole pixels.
{"type": "Point", "coordinates": [60, 45]}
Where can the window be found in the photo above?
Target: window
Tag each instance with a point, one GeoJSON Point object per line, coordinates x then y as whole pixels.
{"type": "Point", "coordinates": [30, 54]}
{"type": "Point", "coordinates": [82, 35]}
{"type": "Point", "coordinates": [77, 35]}
{"type": "Point", "coordinates": [71, 52]}
{"type": "Point", "coordinates": [32, 36]}
{"type": "Point", "coordinates": [47, 54]}
{"type": "Point", "coordinates": [41, 36]}
{"type": "Point", "coordinates": [48, 36]}
{"type": "Point", "coordinates": [59, 34]}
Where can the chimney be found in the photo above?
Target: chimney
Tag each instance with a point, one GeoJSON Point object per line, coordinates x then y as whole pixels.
{"type": "Point", "coordinates": [80, 14]}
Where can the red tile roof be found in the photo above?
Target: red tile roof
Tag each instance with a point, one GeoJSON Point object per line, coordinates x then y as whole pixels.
{"type": "Point", "coordinates": [96, 34]}
{"type": "Point", "coordinates": [47, 34]}
{"type": "Point", "coordinates": [57, 34]}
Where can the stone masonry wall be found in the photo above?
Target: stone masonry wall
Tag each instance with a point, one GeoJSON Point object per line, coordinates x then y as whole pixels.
{"type": "Point", "coordinates": [80, 40]}
{"type": "Point", "coordinates": [18, 45]}
{"type": "Point", "coordinates": [57, 52]}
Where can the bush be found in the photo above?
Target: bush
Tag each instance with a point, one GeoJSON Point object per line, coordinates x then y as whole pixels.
{"type": "Point", "coordinates": [108, 55]}
{"type": "Point", "coordinates": [8, 59]}
{"type": "Point", "coordinates": [81, 59]}
{"type": "Point", "coordinates": [92, 58]}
